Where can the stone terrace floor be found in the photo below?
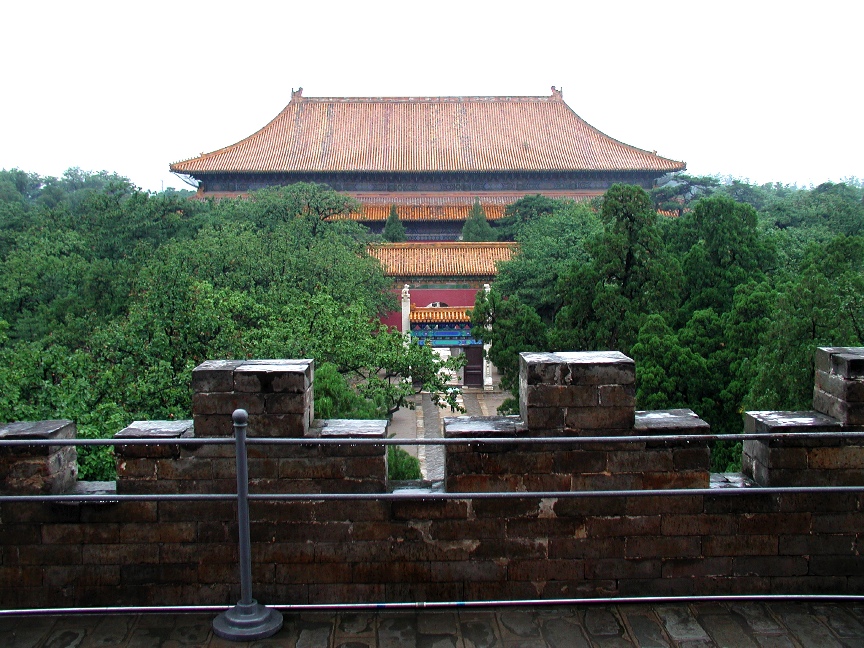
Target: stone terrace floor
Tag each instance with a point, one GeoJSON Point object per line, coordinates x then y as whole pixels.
{"type": "Point", "coordinates": [734, 624]}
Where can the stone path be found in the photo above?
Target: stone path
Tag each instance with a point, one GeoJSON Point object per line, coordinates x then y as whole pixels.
{"type": "Point", "coordinates": [680, 625]}
{"type": "Point", "coordinates": [424, 421]}
{"type": "Point", "coordinates": [433, 466]}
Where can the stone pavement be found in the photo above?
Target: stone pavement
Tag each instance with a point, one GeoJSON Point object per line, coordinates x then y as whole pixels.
{"type": "Point", "coordinates": [695, 625]}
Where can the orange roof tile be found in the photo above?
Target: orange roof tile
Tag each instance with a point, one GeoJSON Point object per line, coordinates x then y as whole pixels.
{"type": "Point", "coordinates": [428, 315]}
{"type": "Point", "coordinates": [451, 259]}
{"type": "Point", "coordinates": [421, 134]}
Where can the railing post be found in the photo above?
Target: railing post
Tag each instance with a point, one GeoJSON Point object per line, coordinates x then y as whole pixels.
{"type": "Point", "coordinates": [248, 620]}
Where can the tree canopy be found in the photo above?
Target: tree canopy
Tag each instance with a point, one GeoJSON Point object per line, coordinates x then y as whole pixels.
{"type": "Point", "coordinates": [522, 212]}
{"type": "Point", "coordinates": [720, 304]}
{"type": "Point", "coordinates": [114, 295]}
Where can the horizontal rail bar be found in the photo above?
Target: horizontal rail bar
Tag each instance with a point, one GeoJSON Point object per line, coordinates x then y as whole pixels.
{"type": "Point", "coordinates": [415, 494]}
{"type": "Point", "coordinates": [452, 441]}
{"type": "Point", "coordinates": [437, 605]}
{"type": "Point", "coordinates": [112, 442]}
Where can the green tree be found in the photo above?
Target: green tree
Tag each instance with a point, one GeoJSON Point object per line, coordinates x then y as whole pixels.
{"type": "Point", "coordinates": [674, 193]}
{"type": "Point", "coordinates": [548, 248]}
{"type": "Point", "coordinates": [114, 297]}
{"type": "Point", "coordinates": [668, 373]}
{"type": "Point", "coordinates": [522, 212]}
{"type": "Point", "coordinates": [477, 228]}
{"type": "Point", "coordinates": [822, 305]}
{"type": "Point", "coordinates": [798, 219]}
{"type": "Point", "coordinates": [720, 248]}
{"type": "Point", "coordinates": [394, 231]}
{"type": "Point", "coordinates": [510, 327]}
{"type": "Point", "coordinates": [307, 202]}
{"type": "Point", "coordinates": [334, 398]}
{"type": "Point", "coordinates": [629, 277]}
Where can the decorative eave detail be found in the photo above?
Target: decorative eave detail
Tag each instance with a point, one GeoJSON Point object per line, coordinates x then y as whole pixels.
{"type": "Point", "coordinates": [451, 259]}
{"type": "Point", "coordinates": [426, 134]}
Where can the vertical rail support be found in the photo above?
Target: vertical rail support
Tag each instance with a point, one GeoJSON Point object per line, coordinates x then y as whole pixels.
{"type": "Point", "coordinates": [248, 620]}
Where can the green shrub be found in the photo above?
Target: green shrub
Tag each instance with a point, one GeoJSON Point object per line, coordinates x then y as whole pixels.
{"type": "Point", "coordinates": [509, 406]}
{"type": "Point", "coordinates": [726, 456]}
{"type": "Point", "coordinates": [401, 466]}
{"type": "Point", "coordinates": [95, 463]}
{"type": "Point", "coordinates": [334, 397]}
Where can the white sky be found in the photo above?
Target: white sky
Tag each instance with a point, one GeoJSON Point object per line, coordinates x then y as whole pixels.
{"type": "Point", "coordinates": [765, 91]}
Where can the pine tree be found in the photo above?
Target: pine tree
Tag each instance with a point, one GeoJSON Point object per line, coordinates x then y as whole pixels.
{"type": "Point", "coordinates": [394, 231]}
{"type": "Point", "coordinates": [477, 228]}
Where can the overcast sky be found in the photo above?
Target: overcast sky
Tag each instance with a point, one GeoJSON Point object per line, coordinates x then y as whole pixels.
{"type": "Point", "coordinates": [765, 91]}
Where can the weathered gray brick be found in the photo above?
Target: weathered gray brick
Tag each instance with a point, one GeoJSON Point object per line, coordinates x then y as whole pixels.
{"type": "Point", "coordinates": [599, 418]}
{"type": "Point", "coordinates": [269, 376]}
{"type": "Point", "coordinates": [214, 376]}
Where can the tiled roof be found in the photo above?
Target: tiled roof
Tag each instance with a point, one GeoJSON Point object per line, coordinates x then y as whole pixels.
{"type": "Point", "coordinates": [422, 134]}
{"type": "Point", "coordinates": [429, 315]}
{"type": "Point", "coordinates": [452, 259]}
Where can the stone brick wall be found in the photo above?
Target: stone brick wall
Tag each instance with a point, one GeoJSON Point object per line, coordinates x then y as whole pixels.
{"type": "Point", "coordinates": [577, 394]}
{"type": "Point", "coordinates": [723, 541]}
{"type": "Point", "coordinates": [839, 388]}
{"type": "Point", "coordinates": [148, 553]}
{"type": "Point", "coordinates": [277, 395]}
{"type": "Point", "coordinates": [473, 467]}
{"type": "Point", "coordinates": [305, 468]}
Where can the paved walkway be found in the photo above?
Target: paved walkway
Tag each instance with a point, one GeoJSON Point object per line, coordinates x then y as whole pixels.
{"type": "Point", "coordinates": [424, 422]}
{"type": "Point", "coordinates": [697, 625]}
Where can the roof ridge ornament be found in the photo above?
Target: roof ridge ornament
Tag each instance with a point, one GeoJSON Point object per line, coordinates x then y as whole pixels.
{"type": "Point", "coordinates": [557, 94]}
{"type": "Point", "coordinates": [297, 95]}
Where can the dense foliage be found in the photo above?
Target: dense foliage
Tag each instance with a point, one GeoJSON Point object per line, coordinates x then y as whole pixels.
{"type": "Point", "coordinates": [112, 296]}
{"type": "Point", "coordinates": [402, 466]}
{"type": "Point", "coordinates": [720, 290]}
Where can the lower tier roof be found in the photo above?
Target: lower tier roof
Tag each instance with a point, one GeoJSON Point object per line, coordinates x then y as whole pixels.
{"type": "Point", "coordinates": [451, 259]}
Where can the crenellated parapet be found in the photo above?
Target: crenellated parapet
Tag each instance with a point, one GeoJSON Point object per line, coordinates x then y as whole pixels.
{"type": "Point", "coordinates": [42, 469]}
{"type": "Point", "coordinates": [824, 457]}
{"type": "Point", "coordinates": [577, 394]}
{"type": "Point", "coordinates": [278, 396]}
{"type": "Point", "coordinates": [569, 515]}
